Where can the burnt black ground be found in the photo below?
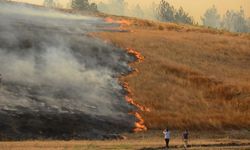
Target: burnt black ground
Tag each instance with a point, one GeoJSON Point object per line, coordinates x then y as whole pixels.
{"type": "Point", "coordinates": [57, 82]}
{"type": "Point", "coordinates": [63, 126]}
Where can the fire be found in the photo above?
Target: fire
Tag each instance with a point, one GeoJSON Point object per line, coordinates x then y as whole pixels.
{"type": "Point", "coordinates": [140, 124]}
{"type": "Point", "coordinates": [131, 101]}
{"type": "Point", "coordinates": [122, 21]}
{"type": "Point", "coordinates": [135, 53]}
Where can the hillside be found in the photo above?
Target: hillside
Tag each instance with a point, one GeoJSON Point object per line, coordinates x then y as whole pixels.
{"type": "Point", "coordinates": [191, 77]}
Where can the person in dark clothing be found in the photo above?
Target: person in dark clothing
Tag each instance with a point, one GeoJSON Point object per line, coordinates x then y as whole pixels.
{"type": "Point", "coordinates": [0, 80]}
{"type": "Point", "coordinates": [185, 139]}
{"type": "Point", "coordinates": [166, 133]}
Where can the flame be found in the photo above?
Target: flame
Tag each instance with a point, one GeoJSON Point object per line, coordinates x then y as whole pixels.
{"type": "Point", "coordinates": [139, 124]}
{"type": "Point", "coordinates": [139, 57]}
{"type": "Point", "coordinates": [131, 101]}
{"type": "Point", "coordinates": [122, 21]}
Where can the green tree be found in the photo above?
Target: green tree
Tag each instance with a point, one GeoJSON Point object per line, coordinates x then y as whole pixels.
{"type": "Point", "coordinates": [103, 7]}
{"type": "Point", "coordinates": [83, 5]}
{"type": "Point", "coordinates": [93, 6]}
{"type": "Point", "coordinates": [182, 17]}
{"type": "Point", "coordinates": [211, 18]}
{"type": "Point", "coordinates": [80, 4]}
{"type": "Point", "coordinates": [235, 21]}
{"type": "Point", "coordinates": [167, 13]}
{"type": "Point", "coordinates": [248, 24]}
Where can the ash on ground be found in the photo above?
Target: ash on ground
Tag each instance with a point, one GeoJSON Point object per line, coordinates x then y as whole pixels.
{"type": "Point", "coordinates": [57, 82]}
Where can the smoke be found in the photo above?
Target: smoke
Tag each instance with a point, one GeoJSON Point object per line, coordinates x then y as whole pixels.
{"type": "Point", "coordinates": [234, 21]}
{"type": "Point", "coordinates": [50, 66]}
{"type": "Point", "coordinates": [123, 8]}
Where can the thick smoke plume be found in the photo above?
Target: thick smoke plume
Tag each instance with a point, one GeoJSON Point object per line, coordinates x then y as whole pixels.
{"type": "Point", "coordinates": [56, 80]}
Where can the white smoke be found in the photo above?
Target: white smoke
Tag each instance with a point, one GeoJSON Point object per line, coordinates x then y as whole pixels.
{"type": "Point", "coordinates": [123, 8]}
{"type": "Point", "coordinates": [49, 64]}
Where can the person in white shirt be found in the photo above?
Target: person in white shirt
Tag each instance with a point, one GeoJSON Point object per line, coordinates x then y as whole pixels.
{"type": "Point", "coordinates": [166, 133]}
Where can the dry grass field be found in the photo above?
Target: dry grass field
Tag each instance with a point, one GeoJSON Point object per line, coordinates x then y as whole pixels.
{"type": "Point", "coordinates": [191, 77]}
{"type": "Point", "coordinates": [151, 140]}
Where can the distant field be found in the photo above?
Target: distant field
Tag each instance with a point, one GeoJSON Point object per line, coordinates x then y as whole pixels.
{"type": "Point", "coordinates": [151, 140]}
{"type": "Point", "coordinates": [191, 77]}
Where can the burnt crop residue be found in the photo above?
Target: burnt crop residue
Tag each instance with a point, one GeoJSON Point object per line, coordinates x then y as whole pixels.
{"type": "Point", "coordinates": [57, 82]}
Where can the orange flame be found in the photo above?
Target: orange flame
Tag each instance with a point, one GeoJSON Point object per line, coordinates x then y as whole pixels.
{"type": "Point", "coordinates": [131, 101]}
{"type": "Point", "coordinates": [139, 124]}
{"type": "Point", "coordinates": [135, 53]}
{"type": "Point", "coordinates": [122, 21]}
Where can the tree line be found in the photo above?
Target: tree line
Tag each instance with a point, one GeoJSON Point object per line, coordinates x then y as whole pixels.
{"type": "Point", "coordinates": [120, 7]}
{"type": "Point", "coordinates": [234, 21]}
{"type": "Point", "coordinates": [162, 11]}
{"type": "Point", "coordinates": [83, 5]}
{"type": "Point", "coordinates": [167, 13]}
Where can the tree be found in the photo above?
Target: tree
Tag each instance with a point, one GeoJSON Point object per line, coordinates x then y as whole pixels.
{"type": "Point", "coordinates": [102, 7]}
{"type": "Point", "coordinates": [167, 13]}
{"type": "Point", "coordinates": [182, 17]}
{"type": "Point", "coordinates": [93, 6]}
{"type": "Point", "coordinates": [248, 24]}
{"type": "Point", "coordinates": [137, 11]}
{"type": "Point", "coordinates": [235, 21]}
{"type": "Point", "coordinates": [80, 4]}
{"type": "Point", "coordinates": [211, 18]}
{"type": "Point", "coordinates": [59, 5]}
{"type": "Point", "coordinates": [49, 3]}
{"type": "Point", "coordinates": [83, 5]}
{"type": "Point", "coordinates": [118, 7]}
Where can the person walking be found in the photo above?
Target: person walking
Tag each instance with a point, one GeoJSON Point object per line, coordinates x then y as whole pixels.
{"type": "Point", "coordinates": [166, 133]}
{"type": "Point", "coordinates": [0, 80]}
{"type": "Point", "coordinates": [185, 139]}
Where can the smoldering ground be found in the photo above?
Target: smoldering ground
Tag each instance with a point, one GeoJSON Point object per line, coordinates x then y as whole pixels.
{"type": "Point", "coordinates": [57, 82]}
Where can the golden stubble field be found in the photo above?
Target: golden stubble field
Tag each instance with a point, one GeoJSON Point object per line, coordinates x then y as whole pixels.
{"type": "Point", "coordinates": [151, 140]}
{"type": "Point", "coordinates": [191, 77]}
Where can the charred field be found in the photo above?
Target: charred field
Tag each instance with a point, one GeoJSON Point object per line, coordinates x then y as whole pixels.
{"type": "Point", "coordinates": [57, 82]}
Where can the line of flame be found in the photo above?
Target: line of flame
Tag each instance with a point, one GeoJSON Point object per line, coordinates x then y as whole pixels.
{"type": "Point", "coordinates": [121, 21]}
{"type": "Point", "coordinates": [131, 101]}
{"type": "Point", "coordinates": [139, 124]}
{"type": "Point", "coordinates": [138, 55]}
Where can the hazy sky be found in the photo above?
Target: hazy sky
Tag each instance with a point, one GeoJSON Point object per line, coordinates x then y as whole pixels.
{"type": "Point", "coordinates": [196, 8]}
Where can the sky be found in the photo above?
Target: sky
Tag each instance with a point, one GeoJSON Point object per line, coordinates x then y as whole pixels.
{"type": "Point", "coordinates": [195, 8]}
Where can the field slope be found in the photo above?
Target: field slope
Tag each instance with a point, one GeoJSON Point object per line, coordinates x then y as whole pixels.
{"type": "Point", "coordinates": [191, 77]}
